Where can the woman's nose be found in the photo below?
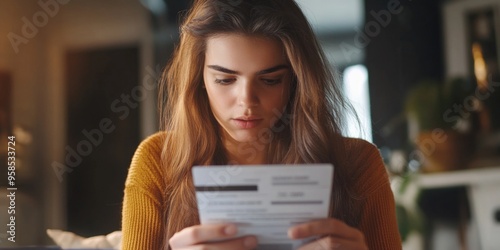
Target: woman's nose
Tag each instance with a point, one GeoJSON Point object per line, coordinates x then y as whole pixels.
{"type": "Point", "coordinates": [248, 94]}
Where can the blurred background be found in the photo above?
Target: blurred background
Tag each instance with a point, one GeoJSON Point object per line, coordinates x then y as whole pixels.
{"type": "Point", "coordinates": [78, 92]}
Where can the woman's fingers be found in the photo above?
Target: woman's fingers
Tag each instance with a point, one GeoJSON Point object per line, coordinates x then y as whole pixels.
{"type": "Point", "coordinates": [335, 235]}
{"type": "Point", "coordinates": [332, 243]}
{"type": "Point", "coordinates": [329, 226]}
{"type": "Point", "coordinates": [247, 242]}
{"type": "Point", "coordinates": [202, 233]}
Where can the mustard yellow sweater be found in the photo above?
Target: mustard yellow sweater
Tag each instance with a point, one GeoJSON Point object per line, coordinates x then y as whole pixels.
{"type": "Point", "coordinates": [371, 195]}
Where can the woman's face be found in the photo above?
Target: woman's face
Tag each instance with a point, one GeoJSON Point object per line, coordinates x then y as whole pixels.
{"type": "Point", "coordinates": [247, 80]}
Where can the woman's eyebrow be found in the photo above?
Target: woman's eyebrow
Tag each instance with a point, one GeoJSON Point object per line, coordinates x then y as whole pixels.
{"type": "Point", "coordinates": [272, 69]}
{"type": "Point", "coordinates": [262, 72]}
{"type": "Point", "coordinates": [222, 69]}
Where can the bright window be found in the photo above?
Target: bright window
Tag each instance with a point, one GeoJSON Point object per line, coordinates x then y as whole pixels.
{"type": "Point", "coordinates": [357, 91]}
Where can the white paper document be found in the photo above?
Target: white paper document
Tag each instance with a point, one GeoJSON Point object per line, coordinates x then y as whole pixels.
{"type": "Point", "coordinates": [264, 200]}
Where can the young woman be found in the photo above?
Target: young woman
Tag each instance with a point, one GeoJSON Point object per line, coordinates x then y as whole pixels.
{"type": "Point", "coordinates": [249, 84]}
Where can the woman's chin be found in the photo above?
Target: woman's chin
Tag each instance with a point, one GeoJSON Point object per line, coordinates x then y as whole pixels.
{"type": "Point", "coordinates": [250, 137]}
{"type": "Point", "coordinates": [245, 139]}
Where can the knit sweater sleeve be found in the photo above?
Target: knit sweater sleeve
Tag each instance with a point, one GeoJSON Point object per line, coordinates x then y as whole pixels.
{"type": "Point", "coordinates": [378, 212]}
{"type": "Point", "coordinates": [142, 212]}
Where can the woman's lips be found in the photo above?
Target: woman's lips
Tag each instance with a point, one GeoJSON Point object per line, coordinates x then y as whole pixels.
{"type": "Point", "coordinates": [246, 123]}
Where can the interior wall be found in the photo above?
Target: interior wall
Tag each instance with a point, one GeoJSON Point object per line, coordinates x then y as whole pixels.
{"type": "Point", "coordinates": [25, 64]}
{"type": "Point", "coordinates": [38, 85]}
{"type": "Point", "coordinates": [94, 24]}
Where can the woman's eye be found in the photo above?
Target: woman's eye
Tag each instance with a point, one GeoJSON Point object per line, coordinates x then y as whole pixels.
{"type": "Point", "coordinates": [224, 81]}
{"type": "Point", "coordinates": [271, 81]}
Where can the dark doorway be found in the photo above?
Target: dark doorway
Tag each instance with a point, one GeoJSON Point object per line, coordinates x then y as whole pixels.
{"type": "Point", "coordinates": [102, 135]}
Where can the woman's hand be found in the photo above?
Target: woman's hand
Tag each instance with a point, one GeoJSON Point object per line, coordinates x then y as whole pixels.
{"type": "Point", "coordinates": [216, 236]}
{"type": "Point", "coordinates": [334, 234]}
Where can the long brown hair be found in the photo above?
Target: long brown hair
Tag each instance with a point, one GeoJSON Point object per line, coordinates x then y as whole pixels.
{"type": "Point", "coordinates": [314, 112]}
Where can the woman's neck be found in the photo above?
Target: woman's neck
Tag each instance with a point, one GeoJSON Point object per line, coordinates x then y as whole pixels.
{"type": "Point", "coordinates": [246, 153]}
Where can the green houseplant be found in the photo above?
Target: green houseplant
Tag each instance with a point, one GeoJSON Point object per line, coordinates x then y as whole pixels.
{"type": "Point", "coordinates": [439, 129]}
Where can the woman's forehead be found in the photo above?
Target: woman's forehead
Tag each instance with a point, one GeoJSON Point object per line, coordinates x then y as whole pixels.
{"type": "Point", "coordinates": [244, 52]}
